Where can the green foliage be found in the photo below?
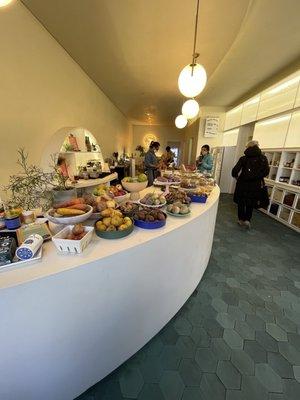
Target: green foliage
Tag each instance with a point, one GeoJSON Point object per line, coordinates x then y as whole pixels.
{"type": "Point", "coordinates": [29, 188]}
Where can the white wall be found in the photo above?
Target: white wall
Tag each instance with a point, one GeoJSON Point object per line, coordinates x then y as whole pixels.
{"type": "Point", "coordinates": [43, 90]}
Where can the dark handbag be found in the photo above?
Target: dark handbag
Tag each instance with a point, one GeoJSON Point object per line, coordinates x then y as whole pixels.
{"type": "Point", "coordinates": [263, 201]}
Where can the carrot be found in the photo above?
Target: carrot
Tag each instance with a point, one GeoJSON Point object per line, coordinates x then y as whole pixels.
{"type": "Point", "coordinates": [69, 203]}
{"type": "Point", "coordinates": [78, 207]}
{"type": "Point", "coordinates": [69, 212]}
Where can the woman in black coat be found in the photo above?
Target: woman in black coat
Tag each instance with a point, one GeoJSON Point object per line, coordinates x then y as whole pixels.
{"type": "Point", "coordinates": [250, 191]}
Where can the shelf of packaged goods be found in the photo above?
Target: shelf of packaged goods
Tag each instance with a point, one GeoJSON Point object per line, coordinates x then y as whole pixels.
{"type": "Point", "coordinates": [282, 221]}
{"type": "Point", "coordinates": [293, 188]}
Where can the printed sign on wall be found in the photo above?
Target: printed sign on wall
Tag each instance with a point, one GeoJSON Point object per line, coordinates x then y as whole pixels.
{"type": "Point", "coordinates": [211, 127]}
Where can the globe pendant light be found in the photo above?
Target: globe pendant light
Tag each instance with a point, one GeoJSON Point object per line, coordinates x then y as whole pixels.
{"type": "Point", "coordinates": [190, 109]}
{"type": "Point", "coordinates": [192, 79]}
{"type": "Point", "coordinates": [4, 3]}
{"type": "Point", "coordinates": [180, 121]}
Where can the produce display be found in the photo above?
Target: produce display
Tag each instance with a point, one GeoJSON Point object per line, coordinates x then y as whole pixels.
{"type": "Point", "coordinates": [101, 190]}
{"type": "Point", "coordinates": [128, 208]}
{"type": "Point", "coordinates": [177, 195]}
{"type": "Point", "coordinates": [178, 208]}
{"type": "Point", "coordinates": [168, 178]}
{"type": "Point", "coordinates": [117, 191]}
{"type": "Point", "coordinates": [100, 203]}
{"type": "Point", "coordinates": [70, 208]}
{"type": "Point", "coordinates": [77, 233]}
{"type": "Point", "coordinates": [188, 184]}
{"type": "Point", "coordinates": [153, 199]}
{"type": "Point", "coordinates": [111, 191]}
{"type": "Point", "coordinates": [149, 218]}
{"type": "Point", "coordinates": [113, 220]}
{"type": "Point", "coordinates": [70, 212]}
{"type": "Point", "coordinates": [135, 185]}
{"type": "Point", "coordinates": [202, 190]}
{"type": "Point", "coordinates": [139, 178]}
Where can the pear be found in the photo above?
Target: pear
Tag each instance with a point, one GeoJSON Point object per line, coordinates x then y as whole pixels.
{"type": "Point", "coordinates": [106, 221]}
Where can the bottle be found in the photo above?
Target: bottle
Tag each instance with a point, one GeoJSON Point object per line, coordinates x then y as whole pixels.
{"type": "Point", "coordinates": [88, 144]}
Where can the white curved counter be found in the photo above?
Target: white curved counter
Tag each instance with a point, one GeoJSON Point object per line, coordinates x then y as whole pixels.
{"type": "Point", "coordinates": [68, 321]}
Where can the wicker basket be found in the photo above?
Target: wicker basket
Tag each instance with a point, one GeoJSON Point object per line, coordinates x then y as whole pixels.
{"type": "Point", "coordinates": [64, 245]}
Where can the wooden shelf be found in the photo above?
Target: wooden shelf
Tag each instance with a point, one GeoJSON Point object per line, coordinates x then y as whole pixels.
{"type": "Point", "coordinates": [285, 213]}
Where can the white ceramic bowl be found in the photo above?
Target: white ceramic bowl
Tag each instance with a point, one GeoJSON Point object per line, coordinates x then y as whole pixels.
{"type": "Point", "coordinates": [134, 186]}
{"type": "Point", "coordinates": [69, 220]}
{"type": "Point", "coordinates": [120, 199]}
{"type": "Point", "coordinates": [152, 205]}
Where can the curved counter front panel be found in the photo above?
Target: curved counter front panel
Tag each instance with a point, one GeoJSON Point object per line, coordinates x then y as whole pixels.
{"type": "Point", "coordinates": [68, 321]}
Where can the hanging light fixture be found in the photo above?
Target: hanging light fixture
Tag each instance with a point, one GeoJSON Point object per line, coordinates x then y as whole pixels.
{"type": "Point", "coordinates": [193, 78]}
{"type": "Point", "coordinates": [180, 121]}
{"type": "Point", "coordinates": [4, 3]}
{"type": "Point", "coordinates": [190, 109]}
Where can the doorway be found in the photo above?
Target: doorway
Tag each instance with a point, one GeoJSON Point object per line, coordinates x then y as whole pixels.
{"type": "Point", "coordinates": [176, 150]}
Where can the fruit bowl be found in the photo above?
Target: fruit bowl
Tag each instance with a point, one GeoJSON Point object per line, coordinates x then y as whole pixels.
{"type": "Point", "coordinates": [120, 199]}
{"type": "Point", "coordinates": [198, 198]}
{"type": "Point", "coordinates": [72, 220]}
{"type": "Point", "coordinates": [178, 209]}
{"type": "Point", "coordinates": [150, 225]}
{"type": "Point", "coordinates": [178, 215]}
{"type": "Point", "coordinates": [142, 222]}
{"type": "Point", "coordinates": [128, 208]}
{"type": "Point", "coordinates": [134, 188]}
{"type": "Point", "coordinates": [152, 205]}
{"type": "Point", "coordinates": [113, 234]}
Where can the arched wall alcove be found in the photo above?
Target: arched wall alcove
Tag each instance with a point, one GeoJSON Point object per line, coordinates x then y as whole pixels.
{"type": "Point", "coordinates": [57, 146]}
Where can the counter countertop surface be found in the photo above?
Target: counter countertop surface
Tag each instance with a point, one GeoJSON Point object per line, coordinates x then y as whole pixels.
{"type": "Point", "coordinates": [53, 262]}
{"type": "Point", "coordinates": [83, 183]}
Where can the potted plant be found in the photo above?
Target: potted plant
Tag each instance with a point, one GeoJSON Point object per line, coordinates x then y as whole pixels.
{"type": "Point", "coordinates": [29, 188]}
{"type": "Point", "coordinates": [141, 150]}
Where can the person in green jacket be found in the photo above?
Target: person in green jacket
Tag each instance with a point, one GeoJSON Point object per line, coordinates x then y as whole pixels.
{"type": "Point", "coordinates": [204, 162]}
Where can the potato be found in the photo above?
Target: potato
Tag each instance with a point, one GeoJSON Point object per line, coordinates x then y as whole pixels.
{"type": "Point", "coordinates": [122, 227]}
{"type": "Point", "coordinates": [78, 229]}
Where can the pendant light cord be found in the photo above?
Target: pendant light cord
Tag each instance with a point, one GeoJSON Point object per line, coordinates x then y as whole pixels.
{"type": "Point", "coordinates": [195, 55]}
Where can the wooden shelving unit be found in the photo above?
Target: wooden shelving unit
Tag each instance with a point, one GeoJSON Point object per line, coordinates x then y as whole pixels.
{"type": "Point", "coordinates": [284, 196]}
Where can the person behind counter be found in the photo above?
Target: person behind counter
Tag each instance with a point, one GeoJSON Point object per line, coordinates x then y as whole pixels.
{"type": "Point", "coordinates": [204, 162]}
{"type": "Point", "coordinates": [250, 190]}
{"type": "Point", "coordinates": [151, 162]}
{"type": "Point", "coordinates": [168, 157]}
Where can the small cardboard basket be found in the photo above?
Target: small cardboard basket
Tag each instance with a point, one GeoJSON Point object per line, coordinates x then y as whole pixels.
{"type": "Point", "coordinates": [64, 245]}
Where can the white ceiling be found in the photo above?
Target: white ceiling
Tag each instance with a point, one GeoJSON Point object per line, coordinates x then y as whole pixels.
{"type": "Point", "coordinates": [135, 49]}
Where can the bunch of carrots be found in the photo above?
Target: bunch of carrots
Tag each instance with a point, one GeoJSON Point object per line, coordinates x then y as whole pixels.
{"type": "Point", "coordinates": [71, 208]}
